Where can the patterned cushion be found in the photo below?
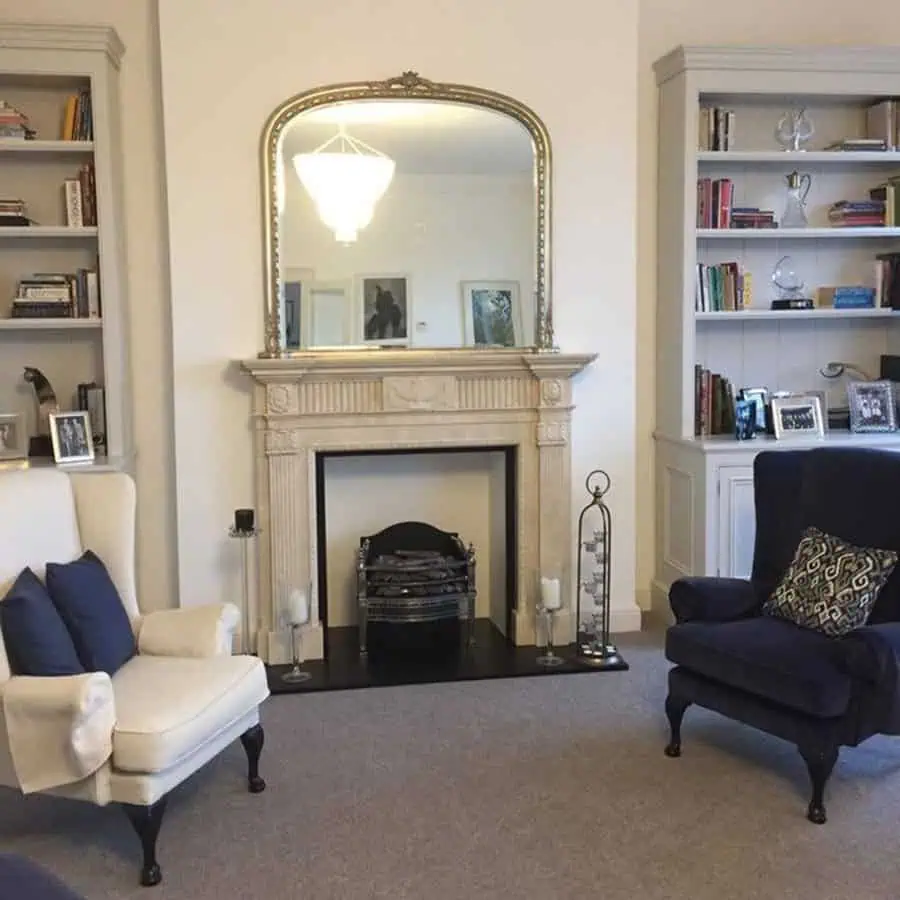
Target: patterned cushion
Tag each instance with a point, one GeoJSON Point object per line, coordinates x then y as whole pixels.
{"type": "Point", "coordinates": [830, 585]}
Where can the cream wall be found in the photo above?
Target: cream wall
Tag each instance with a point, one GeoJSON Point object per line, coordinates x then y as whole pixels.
{"type": "Point", "coordinates": [147, 272]}
{"type": "Point", "coordinates": [224, 68]}
{"type": "Point", "coordinates": [663, 24]}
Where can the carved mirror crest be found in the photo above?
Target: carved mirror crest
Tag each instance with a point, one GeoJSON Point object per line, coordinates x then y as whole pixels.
{"type": "Point", "coordinates": [406, 214]}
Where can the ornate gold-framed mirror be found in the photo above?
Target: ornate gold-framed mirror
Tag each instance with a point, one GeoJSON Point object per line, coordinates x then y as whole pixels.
{"type": "Point", "coordinates": [406, 213]}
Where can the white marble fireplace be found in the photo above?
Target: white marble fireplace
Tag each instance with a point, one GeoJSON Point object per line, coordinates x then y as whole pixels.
{"type": "Point", "coordinates": [390, 400]}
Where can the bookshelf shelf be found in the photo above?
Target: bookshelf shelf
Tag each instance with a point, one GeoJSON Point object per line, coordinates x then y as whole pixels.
{"type": "Point", "coordinates": [799, 158]}
{"type": "Point", "coordinates": [711, 97]}
{"type": "Point", "coordinates": [62, 84]}
{"type": "Point", "coordinates": [796, 234]}
{"type": "Point", "coordinates": [49, 324]}
{"type": "Point", "coordinates": [39, 232]}
{"type": "Point", "coordinates": [98, 464]}
{"type": "Point", "coordinates": [9, 145]}
{"type": "Point", "coordinates": [789, 315]}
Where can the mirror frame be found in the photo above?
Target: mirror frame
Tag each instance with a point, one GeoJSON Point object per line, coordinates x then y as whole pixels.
{"type": "Point", "coordinates": [409, 85]}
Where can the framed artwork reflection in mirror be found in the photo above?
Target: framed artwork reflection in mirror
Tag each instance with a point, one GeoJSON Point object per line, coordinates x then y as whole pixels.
{"type": "Point", "coordinates": [492, 313]}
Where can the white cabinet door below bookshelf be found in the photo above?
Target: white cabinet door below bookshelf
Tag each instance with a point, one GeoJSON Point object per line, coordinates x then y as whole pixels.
{"type": "Point", "coordinates": [737, 521]}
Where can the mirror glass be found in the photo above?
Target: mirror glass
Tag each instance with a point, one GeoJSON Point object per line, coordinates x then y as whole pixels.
{"type": "Point", "coordinates": [404, 222]}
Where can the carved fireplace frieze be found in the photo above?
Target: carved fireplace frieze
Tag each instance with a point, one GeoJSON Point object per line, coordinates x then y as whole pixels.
{"type": "Point", "coordinates": [385, 401]}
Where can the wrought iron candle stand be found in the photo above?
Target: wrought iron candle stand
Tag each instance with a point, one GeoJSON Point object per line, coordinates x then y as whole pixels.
{"type": "Point", "coordinates": [244, 529]}
{"type": "Point", "coordinates": [592, 642]}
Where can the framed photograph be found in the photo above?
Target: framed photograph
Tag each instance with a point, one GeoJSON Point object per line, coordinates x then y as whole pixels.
{"type": "Point", "coordinates": [385, 306]}
{"type": "Point", "coordinates": [759, 397]}
{"type": "Point", "coordinates": [492, 315]}
{"type": "Point", "coordinates": [328, 314]}
{"type": "Point", "coordinates": [871, 406]}
{"type": "Point", "coordinates": [13, 441]}
{"type": "Point", "coordinates": [798, 415]}
{"type": "Point", "coordinates": [70, 433]}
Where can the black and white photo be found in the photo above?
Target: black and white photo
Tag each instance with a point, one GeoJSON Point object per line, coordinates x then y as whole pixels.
{"type": "Point", "coordinates": [871, 406]}
{"type": "Point", "coordinates": [71, 436]}
{"type": "Point", "coordinates": [385, 309]}
{"type": "Point", "coordinates": [797, 415]}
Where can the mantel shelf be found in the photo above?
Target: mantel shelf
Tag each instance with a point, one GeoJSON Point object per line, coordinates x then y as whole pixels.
{"type": "Point", "coordinates": [376, 363]}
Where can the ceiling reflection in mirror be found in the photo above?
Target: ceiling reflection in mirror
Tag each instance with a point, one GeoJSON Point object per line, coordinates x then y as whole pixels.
{"type": "Point", "coordinates": [406, 222]}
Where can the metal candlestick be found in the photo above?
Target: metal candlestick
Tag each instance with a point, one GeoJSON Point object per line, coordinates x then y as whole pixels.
{"type": "Point", "coordinates": [592, 641]}
{"type": "Point", "coordinates": [244, 535]}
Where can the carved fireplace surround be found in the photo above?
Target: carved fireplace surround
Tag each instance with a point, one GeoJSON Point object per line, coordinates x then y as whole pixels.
{"type": "Point", "coordinates": [390, 400]}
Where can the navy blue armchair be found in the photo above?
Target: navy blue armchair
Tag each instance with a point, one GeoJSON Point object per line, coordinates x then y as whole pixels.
{"type": "Point", "coordinates": [816, 691]}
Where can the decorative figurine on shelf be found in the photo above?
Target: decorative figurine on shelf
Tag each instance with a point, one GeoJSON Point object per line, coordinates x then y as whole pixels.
{"type": "Point", "coordinates": [592, 640]}
{"type": "Point", "coordinates": [244, 528]}
{"type": "Point", "coordinates": [40, 444]}
{"type": "Point", "coordinates": [794, 129]}
{"type": "Point", "coordinates": [791, 288]}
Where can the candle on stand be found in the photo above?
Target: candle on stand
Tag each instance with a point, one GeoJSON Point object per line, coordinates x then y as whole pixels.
{"type": "Point", "coordinates": [550, 598]}
{"type": "Point", "coordinates": [243, 521]}
{"type": "Point", "coordinates": [298, 607]}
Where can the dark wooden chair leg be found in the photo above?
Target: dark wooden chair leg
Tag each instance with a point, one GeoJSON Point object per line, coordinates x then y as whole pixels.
{"type": "Point", "coordinates": [675, 708]}
{"type": "Point", "coordinates": [146, 821]}
{"type": "Point", "coordinates": [820, 763]}
{"type": "Point", "coordinates": [252, 740]}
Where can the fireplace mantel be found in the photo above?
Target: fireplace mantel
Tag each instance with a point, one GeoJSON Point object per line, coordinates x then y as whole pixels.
{"type": "Point", "coordinates": [408, 399]}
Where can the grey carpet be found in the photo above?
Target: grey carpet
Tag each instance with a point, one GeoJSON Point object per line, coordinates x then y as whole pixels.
{"type": "Point", "coordinates": [552, 787]}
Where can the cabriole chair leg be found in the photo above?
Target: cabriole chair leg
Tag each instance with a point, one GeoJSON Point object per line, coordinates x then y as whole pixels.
{"type": "Point", "coordinates": [146, 821]}
{"type": "Point", "coordinates": [675, 708]}
{"type": "Point", "coordinates": [252, 740]}
{"type": "Point", "coordinates": [820, 763]}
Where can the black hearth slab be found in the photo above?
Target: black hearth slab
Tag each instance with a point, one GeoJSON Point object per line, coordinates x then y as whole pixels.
{"type": "Point", "coordinates": [491, 657]}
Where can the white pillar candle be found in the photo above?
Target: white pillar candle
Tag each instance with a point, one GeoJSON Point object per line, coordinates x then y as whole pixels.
{"type": "Point", "coordinates": [298, 607]}
{"type": "Point", "coordinates": [550, 593]}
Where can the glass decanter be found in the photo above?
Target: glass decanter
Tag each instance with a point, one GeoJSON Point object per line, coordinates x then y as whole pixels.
{"type": "Point", "coordinates": [798, 186]}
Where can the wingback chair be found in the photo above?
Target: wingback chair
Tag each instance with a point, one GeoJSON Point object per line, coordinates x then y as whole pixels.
{"type": "Point", "coordinates": [822, 680]}
{"type": "Point", "coordinates": [95, 713]}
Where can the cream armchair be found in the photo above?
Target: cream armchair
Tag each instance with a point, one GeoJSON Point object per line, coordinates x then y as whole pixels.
{"type": "Point", "coordinates": [133, 737]}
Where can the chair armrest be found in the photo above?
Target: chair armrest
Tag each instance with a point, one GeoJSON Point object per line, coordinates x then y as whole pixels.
{"type": "Point", "coordinates": [59, 728]}
{"type": "Point", "coordinates": [871, 653]}
{"type": "Point", "coordinates": [709, 599]}
{"type": "Point", "coordinates": [206, 630]}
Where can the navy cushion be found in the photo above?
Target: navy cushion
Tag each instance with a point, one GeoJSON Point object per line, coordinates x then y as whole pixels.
{"type": "Point", "coordinates": [90, 606]}
{"type": "Point", "coordinates": [37, 641]}
{"type": "Point", "coordinates": [771, 658]}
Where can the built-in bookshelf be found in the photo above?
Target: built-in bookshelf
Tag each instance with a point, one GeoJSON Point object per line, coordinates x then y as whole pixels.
{"type": "Point", "coordinates": [723, 178]}
{"type": "Point", "coordinates": [63, 302]}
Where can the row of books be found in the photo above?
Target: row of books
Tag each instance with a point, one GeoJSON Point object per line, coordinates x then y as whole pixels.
{"type": "Point", "coordinates": [80, 195]}
{"type": "Point", "coordinates": [722, 287]}
{"type": "Point", "coordinates": [713, 403]}
{"type": "Point", "coordinates": [857, 214]}
{"type": "Point", "coordinates": [717, 127]}
{"type": "Point", "coordinates": [58, 295]}
{"type": "Point", "coordinates": [716, 209]}
{"type": "Point", "coordinates": [78, 121]}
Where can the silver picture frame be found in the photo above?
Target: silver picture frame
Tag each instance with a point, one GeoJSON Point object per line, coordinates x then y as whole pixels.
{"type": "Point", "coordinates": [797, 416]}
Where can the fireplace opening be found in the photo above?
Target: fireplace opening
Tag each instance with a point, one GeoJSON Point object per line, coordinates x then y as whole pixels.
{"type": "Point", "coordinates": [416, 590]}
{"type": "Point", "coordinates": [420, 510]}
